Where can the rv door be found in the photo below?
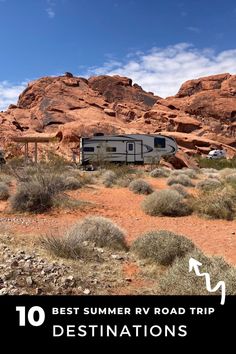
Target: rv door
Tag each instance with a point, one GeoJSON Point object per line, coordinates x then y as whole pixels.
{"type": "Point", "coordinates": [130, 152]}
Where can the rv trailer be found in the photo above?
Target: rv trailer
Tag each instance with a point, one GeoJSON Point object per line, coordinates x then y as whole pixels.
{"type": "Point", "coordinates": [131, 148]}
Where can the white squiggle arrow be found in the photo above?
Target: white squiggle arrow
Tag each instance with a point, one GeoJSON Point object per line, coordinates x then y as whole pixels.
{"type": "Point", "coordinates": [194, 264]}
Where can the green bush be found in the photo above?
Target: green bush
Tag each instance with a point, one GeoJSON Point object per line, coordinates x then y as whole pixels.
{"type": "Point", "coordinates": [209, 184]}
{"type": "Point", "coordinates": [161, 246]}
{"type": "Point", "coordinates": [160, 172]}
{"type": "Point", "coordinates": [218, 204]}
{"type": "Point", "coordinates": [4, 191]}
{"type": "Point", "coordinates": [180, 179]}
{"type": "Point", "coordinates": [217, 164]}
{"type": "Point", "coordinates": [139, 186]}
{"type": "Point", "coordinates": [166, 203]}
{"type": "Point", "coordinates": [179, 281]}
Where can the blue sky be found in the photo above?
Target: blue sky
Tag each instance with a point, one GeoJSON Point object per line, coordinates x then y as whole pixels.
{"type": "Point", "coordinates": [159, 44]}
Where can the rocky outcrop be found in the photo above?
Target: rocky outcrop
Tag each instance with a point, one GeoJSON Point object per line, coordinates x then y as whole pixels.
{"type": "Point", "coordinates": [121, 89]}
{"type": "Point", "coordinates": [202, 115]}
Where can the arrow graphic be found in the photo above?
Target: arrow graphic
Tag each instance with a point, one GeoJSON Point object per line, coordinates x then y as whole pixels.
{"type": "Point", "coordinates": [194, 265]}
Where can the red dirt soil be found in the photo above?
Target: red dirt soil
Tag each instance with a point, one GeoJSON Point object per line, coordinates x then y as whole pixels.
{"type": "Point", "coordinates": [214, 237]}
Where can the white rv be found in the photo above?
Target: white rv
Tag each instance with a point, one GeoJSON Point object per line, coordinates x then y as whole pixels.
{"type": "Point", "coordinates": [133, 148]}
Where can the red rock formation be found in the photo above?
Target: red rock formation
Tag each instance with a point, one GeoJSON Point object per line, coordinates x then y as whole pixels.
{"type": "Point", "coordinates": [202, 115]}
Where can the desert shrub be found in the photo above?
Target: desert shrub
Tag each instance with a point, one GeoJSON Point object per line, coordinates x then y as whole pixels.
{"type": "Point", "coordinates": [208, 170]}
{"type": "Point", "coordinates": [4, 178]}
{"type": "Point", "coordinates": [180, 179]}
{"type": "Point", "coordinates": [231, 179]}
{"type": "Point", "coordinates": [54, 162]}
{"type": "Point", "coordinates": [69, 248]}
{"type": "Point", "coordinates": [37, 193]}
{"type": "Point", "coordinates": [109, 178]}
{"type": "Point", "coordinates": [217, 164]}
{"type": "Point", "coordinates": [108, 184]}
{"type": "Point", "coordinates": [4, 191]}
{"type": "Point", "coordinates": [32, 197]}
{"type": "Point", "coordinates": [218, 204]}
{"type": "Point", "coordinates": [179, 281]}
{"type": "Point", "coordinates": [139, 186]}
{"type": "Point", "coordinates": [191, 173]}
{"type": "Point", "coordinates": [166, 203]}
{"type": "Point", "coordinates": [209, 184]}
{"type": "Point", "coordinates": [72, 183]}
{"type": "Point", "coordinates": [212, 175]}
{"type": "Point", "coordinates": [161, 246]}
{"type": "Point", "coordinates": [180, 189]}
{"type": "Point", "coordinates": [121, 170]}
{"type": "Point", "coordinates": [101, 231]}
{"type": "Point", "coordinates": [52, 182]}
{"type": "Point", "coordinates": [226, 172]}
{"type": "Point", "coordinates": [124, 182]}
{"type": "Point", "coordinates": [87, 178]}
{"type": "Point", "coordinates": [160, 172]}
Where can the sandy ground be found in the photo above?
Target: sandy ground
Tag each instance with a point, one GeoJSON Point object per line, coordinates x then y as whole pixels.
{"type": "Point", "coordinates": [214, 237]}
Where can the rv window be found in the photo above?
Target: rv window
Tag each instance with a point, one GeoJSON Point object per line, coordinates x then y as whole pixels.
{"type": "Point", "coordinates": [131, 147]}
{"type": "Point", "coordinates": [160, 143]}
{"type": "Point", "coordinates": [88, 149]}
{"type": "Point", "coordinates": [111, 149]}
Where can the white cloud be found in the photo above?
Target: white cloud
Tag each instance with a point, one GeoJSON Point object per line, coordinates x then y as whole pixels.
{"type": "Point", "coordinates": [50, 10]}
{"type": "Point", "coordinates": [193, 29]}
{"type": "Point", "coordinates": [51, 13]}
{"type": "Point", "coordinates": [163, 70]}
{"type": "Point", "coordinates": [9, 93]}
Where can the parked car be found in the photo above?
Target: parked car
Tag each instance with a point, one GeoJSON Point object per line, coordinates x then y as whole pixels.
{"type": "Point", "coordinates": [217, 154]}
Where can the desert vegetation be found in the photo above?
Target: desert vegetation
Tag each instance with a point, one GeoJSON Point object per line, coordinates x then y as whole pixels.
{"type": "Point", "coordinates": [79, 241]}
{"type": "Point", "coordinates": [139, 186]}
{"type": "Point", "coordinates": [97, 242]}
{"type": "Point", "coordinates": [166, 203]}
{"type": "Point", "coordinates": [209, 184]}
{"type": "Point", "coordinates": [161, 246]}
{"type": "Point", "coordinates": [217, 164]}
{"type": "Point", "coordinates": [183, 179]}
{"type": "Point", "coordinates": [160, 172]}
{"type": "Point", "coordinates": [4, 191]}
{"type": "Point", "coordinates": [180, 189]}
{"type": "Point", "coordinates": [216, 204]}
{"type": "Point", "coordinates": [179, 281]}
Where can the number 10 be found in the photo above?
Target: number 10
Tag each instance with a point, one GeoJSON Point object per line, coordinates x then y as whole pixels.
{"type": "Point", "coordinates": [31, 313]}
